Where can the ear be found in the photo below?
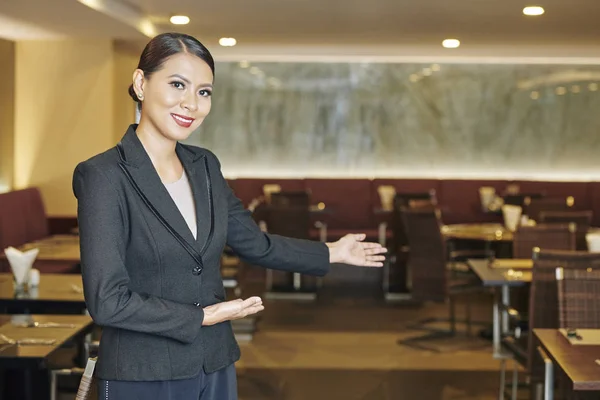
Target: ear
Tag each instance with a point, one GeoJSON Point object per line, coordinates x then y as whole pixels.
{"type": "Point", "coordinates": [139, 82]}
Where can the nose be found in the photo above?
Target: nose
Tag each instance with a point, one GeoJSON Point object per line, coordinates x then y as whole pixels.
{"type": "Point", "coordinates": [190, 101]}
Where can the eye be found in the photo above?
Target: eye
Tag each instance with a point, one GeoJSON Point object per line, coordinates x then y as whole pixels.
{"type": "Point", "coordinates": [205, 93]}
{"type": "Point", "coordinates": [177, 85]}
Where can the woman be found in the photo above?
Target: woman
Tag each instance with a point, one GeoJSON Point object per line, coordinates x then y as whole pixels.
{"type": "Point", "coordinates": [154, 218]}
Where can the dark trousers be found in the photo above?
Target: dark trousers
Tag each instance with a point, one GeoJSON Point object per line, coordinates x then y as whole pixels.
{"type": "Point", "coordinates": [219, 385]}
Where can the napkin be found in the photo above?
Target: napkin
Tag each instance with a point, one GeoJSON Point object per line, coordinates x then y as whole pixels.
{"type": "Point", "coordinates": [20, 263]}
{"type": "Point", "coordinates": [593, 242]}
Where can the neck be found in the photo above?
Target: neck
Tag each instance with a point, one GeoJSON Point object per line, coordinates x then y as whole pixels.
{"type": "Point", "coordinates": [160, 149]}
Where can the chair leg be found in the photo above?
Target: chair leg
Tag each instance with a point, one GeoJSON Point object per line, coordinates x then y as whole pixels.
{"type": "Point", "coordinates": [502, 379]}
{"type": "Point", "coordinates": [468, 319]}
{"type": "Point", "coordinates": [452, 316]}
{"type": "Point", "coordinates": [515, 381]}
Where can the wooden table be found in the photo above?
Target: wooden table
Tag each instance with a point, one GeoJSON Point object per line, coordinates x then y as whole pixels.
{"type": "Point", "coordinates": [514, 273]}
{"type": "Point", "coordinates": [63, 248]}
{"type": "Point", "coordinates": [578, 362]}
{"type": "Point", "coordinates": [33, 360]}
{"type": "Point", "coordinates": [482, 232]}
{"type": "Point", "coordinates": [58, 293]}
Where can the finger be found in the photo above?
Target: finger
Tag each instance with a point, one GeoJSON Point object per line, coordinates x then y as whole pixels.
{"type": "Point", "coordinates": [371, 245]}
{"type": "Point", "coordinates": [251, 301]}
{"type": "Point", "coordinates": [375, 251]}
{"type": "Point", "coordinates": [251, 311]}
{"type": "Point", "coordinates": [376, 258]}
{"type": "Point", "coordinates": [372, 264]}
{"type": "Point", "coordinates": [359, 237]}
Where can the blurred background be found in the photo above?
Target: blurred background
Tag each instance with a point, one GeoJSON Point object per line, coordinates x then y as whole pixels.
{"type": "Point", "coordinates": [463, 135]}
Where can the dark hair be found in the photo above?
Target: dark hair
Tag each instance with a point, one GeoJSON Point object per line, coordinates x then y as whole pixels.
{"type": "Point", "coordinates": [165, 45]}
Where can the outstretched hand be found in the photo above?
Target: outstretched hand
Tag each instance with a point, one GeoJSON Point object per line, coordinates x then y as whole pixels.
{"type": "Point", "coordinates": [351, 249]}
{"type": "Point", "coordinates": [231, 310]}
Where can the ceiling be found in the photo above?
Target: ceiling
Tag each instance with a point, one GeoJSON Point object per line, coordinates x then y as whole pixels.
{"type": "Point", "coordinates": [568, 28]}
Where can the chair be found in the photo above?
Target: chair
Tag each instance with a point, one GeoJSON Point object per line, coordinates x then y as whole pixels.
{"type": "Point", "coordinates": [533, 207]}
{"type": "Point", "coordinates": [543, 312]}
{"type": "Point", "coordinates": [583, 220]}
{"type": "Point", "coordinates": [432, 276]}
{"type": "Point", "coordinates": [290, 221]}
{"type": "Point", "coordinates": [521, 199]}
{"type": "Point", "coordinates": [578, 281]}
{"type": "Point", "coordinates": [396, 279]}
{"type": "Point", "coordinates": [290, 199]}
{"type": "Point", "coordinates": [544, 236]}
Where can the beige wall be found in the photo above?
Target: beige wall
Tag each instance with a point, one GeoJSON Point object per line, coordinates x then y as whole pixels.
{"type": "Point", "coordinates": [64, 114]}
{"type": "Point", "coordinates": [126, 60]}
{"type": "Point", "coordinates": [7, 113]}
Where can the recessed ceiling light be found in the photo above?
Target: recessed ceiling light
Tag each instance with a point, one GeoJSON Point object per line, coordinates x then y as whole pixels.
{"type": "Point", "coordinates": [451, 43]}
{"type": "Point", "coordinates": [180, 20]}
{"type": "Point", "coordinates": [533, 10]}
{"type": "Point", "coordinates": [227, 42]}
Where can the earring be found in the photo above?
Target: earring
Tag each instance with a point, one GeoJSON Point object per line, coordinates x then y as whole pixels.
{"type": "Point", "coordinates": [140, 96]}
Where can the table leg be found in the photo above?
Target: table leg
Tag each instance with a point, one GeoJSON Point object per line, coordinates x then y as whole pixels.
{"type": "Point", "coordinates": [505, 301]}
{"type": "Point", "coordinates": [496, 323]}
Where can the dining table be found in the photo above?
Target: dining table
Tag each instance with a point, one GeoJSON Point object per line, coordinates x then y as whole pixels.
{"type": "Point", "coordinates": [29, 347]}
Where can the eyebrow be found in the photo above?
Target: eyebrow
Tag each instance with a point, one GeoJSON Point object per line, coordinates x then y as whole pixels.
{"type": "Point", "coordinates": [188, 81]}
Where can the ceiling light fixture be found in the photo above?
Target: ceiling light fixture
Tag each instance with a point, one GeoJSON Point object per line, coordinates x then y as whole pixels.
{"type": "Point", "coordinates": [227, 42]}
{"type": "Point", "coordinates": [533, 10]}
{"type": "Point", "coordinates": [451, 43]}
{"type": "Point", "coordinates": [180, 20]}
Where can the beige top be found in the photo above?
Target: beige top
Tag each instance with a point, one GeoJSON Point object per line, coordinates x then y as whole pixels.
{"type": "Point", "coordinates": [181, 193]}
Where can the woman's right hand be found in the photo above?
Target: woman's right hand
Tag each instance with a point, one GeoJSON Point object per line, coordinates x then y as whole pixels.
{"type": "Point", "coordinates": [231, 310]}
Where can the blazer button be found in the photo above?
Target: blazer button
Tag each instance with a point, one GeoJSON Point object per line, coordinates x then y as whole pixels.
{"type": "Point", "coordinates": [197, 304]}
{"type": "Point", "coordinates": [197, 271]}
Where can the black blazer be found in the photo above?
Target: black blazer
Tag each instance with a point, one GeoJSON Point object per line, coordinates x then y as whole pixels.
{"type": "Point", "coordinates": [141, 284]}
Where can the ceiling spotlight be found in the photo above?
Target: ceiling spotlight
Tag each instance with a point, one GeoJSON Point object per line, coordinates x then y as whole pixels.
{"type": "Point", "coordinates": [227, 42]}
{"type": "Point", "coordinates": [451, 43]}
{"type": "Point", "coordinates": [180, 20]}
{"type": "Point", "coordinates": [533, 10]}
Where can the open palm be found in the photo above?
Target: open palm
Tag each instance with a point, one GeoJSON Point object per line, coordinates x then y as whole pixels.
{"type": "Point", "coordinates": [351, 249]}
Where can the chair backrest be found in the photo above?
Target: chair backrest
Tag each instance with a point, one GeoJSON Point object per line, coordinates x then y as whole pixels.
{"type": "Point", "coordinates": [544, 236]}
{"type": "Point", "coordinates": [583, 220]}
{"type": "Point", "coordinates": [22, 217]}
{"type": "Point", "coordinates": [290, 199]}
{"type": "Point", "coordinates": [427, 257]}
{"type": "Point", "coordinates": [406, 200]}
{"type": "Point", "coordinates": [543, 299]}
{"type": "Point", "coordinates": [578, 282]}
{"type": "Point", "coordinates": [289, 221]}
{"type": "Point", "coordinates": [521, 199]}
{"type": "Point", "coordinates": [533, 207]}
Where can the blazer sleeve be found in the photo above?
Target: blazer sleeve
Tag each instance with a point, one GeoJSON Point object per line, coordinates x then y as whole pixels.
{"type": "Point", "coordinates": [103, 235]}
{"type": "Point", "coordinates": [271, 251]}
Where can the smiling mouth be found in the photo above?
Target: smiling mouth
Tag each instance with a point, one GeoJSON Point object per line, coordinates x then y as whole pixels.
{"type": "Point", "coordinates": [186, 122]}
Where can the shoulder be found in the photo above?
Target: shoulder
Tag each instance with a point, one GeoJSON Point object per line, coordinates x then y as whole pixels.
{"type": "Point", "coordinates": [96, 171]}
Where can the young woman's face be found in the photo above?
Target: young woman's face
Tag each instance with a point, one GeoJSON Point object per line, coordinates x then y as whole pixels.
{"type": "Point", "coordinates": [177, 97]}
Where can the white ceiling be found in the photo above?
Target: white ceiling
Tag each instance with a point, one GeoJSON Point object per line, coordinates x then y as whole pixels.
{"type": "Point", "coordinates": [568, 28]}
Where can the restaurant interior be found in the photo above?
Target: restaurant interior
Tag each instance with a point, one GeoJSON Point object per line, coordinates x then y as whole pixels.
{"type": "Point", "coordinates": [461, 135]}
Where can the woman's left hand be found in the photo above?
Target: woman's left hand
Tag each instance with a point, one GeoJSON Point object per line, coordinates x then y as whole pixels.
{"type": "Point", "coordinates": [352, 250]}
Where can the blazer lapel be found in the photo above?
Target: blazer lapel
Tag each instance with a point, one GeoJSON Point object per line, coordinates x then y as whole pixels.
{"type": "Point", "coordinates": [199, 176]}
{"type": "Point", "coordinates": [140, 167]}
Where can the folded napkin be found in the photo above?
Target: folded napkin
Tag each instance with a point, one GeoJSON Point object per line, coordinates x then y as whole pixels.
{"type": "Point", "coordinates": [20, 263]}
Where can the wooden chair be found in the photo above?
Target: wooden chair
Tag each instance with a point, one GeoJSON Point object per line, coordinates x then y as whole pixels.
{"type": "Point", "coordinates": [396, 275]}
{"type": "Point", "coordinates": [432, 277]}
{"type": "Point", "coordinates": [533, 207]}
{"type": "Point", "coordinates": [544, 236]}
{"type": "Point", "coordinates": [290, 221]}
{"type": "Point", "coordinates": [582, 219]}
{"type": "Point", "coordinates": [543, 312]}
